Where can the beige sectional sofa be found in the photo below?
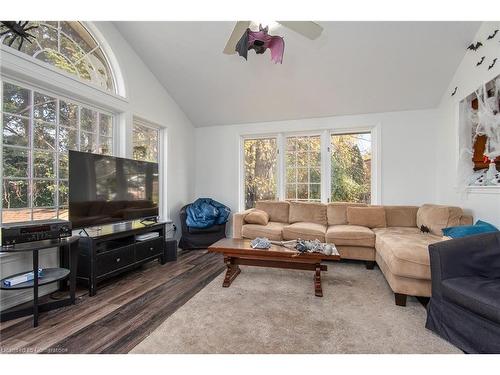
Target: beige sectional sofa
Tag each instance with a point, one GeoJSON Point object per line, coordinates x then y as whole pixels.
{"type": "Point", "coordinates": [388, 235]}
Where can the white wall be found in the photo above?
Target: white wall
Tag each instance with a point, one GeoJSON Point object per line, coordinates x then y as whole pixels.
{"type": "Point", "coordinates": [468, 78]}
{"type": "Point", "coordinates": [407, 154]}
{"type": "Point", "coordinates": [148, 99]}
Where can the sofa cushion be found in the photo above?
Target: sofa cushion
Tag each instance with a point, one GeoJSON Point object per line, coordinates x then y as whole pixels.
{"type": "Point", "coordinates": [401, 216]}
{"type": "Point", "coordinates": [304, 231]}
{"type": "Point", "coordinates": [436, 217]}
{"type": "Point", "coordinates": [352, 235]}
{"type": "Point", "coordinates": [337, 211]}
{"type": "Point", "coordinates": [307, 212]}
{"type": "Point", "coordinates": [257, 217]}
{"type": "Point", "coordinates": [405, 251]}
{"type": "Point", "coordinates": [476, 294]}
{"type": "Point", "coordinates": [273, 231]}
{"type": "Point", "coordinates": [277, 211]}
{"type": "Point", "coordinates": [371, 217]}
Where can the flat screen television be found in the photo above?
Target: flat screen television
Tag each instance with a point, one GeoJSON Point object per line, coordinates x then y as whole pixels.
{"type": "Point", "coordinates": [106, 189]}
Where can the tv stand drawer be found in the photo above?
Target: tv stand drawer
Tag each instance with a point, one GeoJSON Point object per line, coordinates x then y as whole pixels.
{"type": "Point", "coordinates": [112, 260]}
{"type": "Point", "coordinates": [148, 249]}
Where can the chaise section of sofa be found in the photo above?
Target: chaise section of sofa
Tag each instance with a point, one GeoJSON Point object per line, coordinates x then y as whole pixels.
{"type": "Point", "coordinates": [402, 248]}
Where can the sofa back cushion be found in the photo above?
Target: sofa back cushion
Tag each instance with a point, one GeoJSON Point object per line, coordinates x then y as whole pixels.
{"type": "Point", "coordinates": [337, 212]}
{"type": "Point", "coordinates": [307, 212]}
{"type": "Point", "coordinates": [277, 211]}
{"type": "Point", "coordinates": [401, 216]}
{"type": "Point", "coordinates": [371, 217]}
{"type": "Point", "coordinates": [436, 217]}
{"type": "Point", "coordinates": [257, 217]}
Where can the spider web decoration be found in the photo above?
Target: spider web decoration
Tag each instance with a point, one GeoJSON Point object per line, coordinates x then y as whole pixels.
{"type": "Point", "coordinates": [17, 30]}
{"type": "Point", "coordinates": [483, 121]}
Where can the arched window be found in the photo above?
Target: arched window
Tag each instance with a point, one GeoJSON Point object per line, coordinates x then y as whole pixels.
{"type": "Point", "coordinates": [69, 46]}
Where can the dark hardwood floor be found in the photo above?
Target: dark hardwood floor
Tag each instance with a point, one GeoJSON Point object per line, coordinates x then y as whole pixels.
{"type": "Point", "coordinates": [124, 311]}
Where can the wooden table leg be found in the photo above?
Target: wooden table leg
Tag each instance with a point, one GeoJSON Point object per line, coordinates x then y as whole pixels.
{"type": "Point", "coordinates": [232, 271]}
{"type": "Point", "coordinates": [318, 291]}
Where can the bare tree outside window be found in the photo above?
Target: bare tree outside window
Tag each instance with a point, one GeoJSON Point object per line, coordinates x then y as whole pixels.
{"type": "Point", "coordinates": [260, 168]}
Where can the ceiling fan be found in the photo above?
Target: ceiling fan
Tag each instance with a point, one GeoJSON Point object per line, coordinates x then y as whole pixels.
{"type": "Point", "coordinates": [309, 29]}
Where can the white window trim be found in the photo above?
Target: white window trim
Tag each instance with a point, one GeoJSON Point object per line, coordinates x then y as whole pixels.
{"type": "Point", "coordinates": [376, 164]}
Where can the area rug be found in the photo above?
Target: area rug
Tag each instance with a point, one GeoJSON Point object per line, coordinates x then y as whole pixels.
{"type": "Point", "coordinates": [275, 311]}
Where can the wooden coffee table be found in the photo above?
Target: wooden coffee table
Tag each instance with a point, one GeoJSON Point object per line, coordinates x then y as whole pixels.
{"type": "Point", "coordinates": [239, 252]}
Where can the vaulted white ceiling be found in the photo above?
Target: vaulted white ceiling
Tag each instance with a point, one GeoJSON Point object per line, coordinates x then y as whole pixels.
{"type": "Point", "coordinates": [352, 68]}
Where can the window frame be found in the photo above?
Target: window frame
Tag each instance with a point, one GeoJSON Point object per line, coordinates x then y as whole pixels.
{"type": "Point", "coordinates": [162, 157]}
{"type": "Point", "coordinates": [101, 45]}
{"type": "Point", "coordinates": [285, 136]}
{"type": "Point", "coordinates": [32, 149]}
{"type": "Point", "coordinates": [325, 134]}
{"type": "Point", "coordinates": [373, 183]}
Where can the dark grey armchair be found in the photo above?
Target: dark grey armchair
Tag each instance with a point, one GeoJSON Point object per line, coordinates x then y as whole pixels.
{"type": "Point", "coordinates": [465, 304]}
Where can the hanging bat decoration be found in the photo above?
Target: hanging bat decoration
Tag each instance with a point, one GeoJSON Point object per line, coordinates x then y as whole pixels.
{"type": "Point", "coordinates": [492, 63]}
{"type": "Point", "coordinates": [260, 41]}
{"type": "Point", "coordinates": [480, 61]}
{"type": "Point", "coordinates": [18, 30]}
{"type": "Point", "coordinates": [475, 47]}
{"type": "Point", "coordinates": [454, 91]}
{"type": "Point", "coordinates": [492, 35]}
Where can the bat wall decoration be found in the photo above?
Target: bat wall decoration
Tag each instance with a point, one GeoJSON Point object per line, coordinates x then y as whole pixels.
{"type": "Point", "coordinates": [492, 64]}
{"type": "Point", "coordinates": [475, 47]}
{"type": "Point", "coordinates": [492, 35]}
{"type": "Point", "coordinates": [17, 30]}
{"type": "Point", "coordinates": [454, 91]}
{"type": "Point", "coordinates": [260, 41]}
{"type": "Point", "coordinates": [480, 61]}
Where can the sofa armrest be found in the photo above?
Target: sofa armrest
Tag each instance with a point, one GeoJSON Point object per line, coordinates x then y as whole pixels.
{"type": "Point", "coordinates": [238, 221]}
{"type": "Point", "coordinates": [470, 256]}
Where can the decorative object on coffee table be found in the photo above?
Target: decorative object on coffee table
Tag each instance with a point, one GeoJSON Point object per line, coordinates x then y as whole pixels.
{"type": "Point", "coordinates": [240, 252]}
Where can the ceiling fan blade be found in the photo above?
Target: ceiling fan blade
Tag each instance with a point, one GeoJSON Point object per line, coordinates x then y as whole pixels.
{"type": "Point", "coordinates": [308, 29]}
{"type": "Point", "coordinates": [238, 31]}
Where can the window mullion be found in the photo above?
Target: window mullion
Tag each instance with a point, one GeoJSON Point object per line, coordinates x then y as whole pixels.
{"type": "Point", "coordinates": [325, 167]}
{"type": "Point", "coordinates": [30, 153]}
{"type": "Point", "coordinates": [56, 159]}
{"type": "Point", "coordinates": [281, 170]}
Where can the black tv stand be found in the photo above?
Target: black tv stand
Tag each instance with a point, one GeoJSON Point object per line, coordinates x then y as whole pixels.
{"type": "Point", "coordinates": [113, 249]}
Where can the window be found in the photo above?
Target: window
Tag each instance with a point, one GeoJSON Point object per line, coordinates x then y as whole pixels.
{"type": "Point", "coordinates": [145, 141]}
{"type": "Point", "coordinates": [303, 168]}
{"type": "Point", "coordinates": [38, 129]}
{"type": "Point", "coordinates": [319, 167]}
{"type": "Point", "coordinates": [260, 170]}
{"type": "Point", "coordinates": [67, 46]}
{"type": "Point", "coordinates": [351, 156]}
